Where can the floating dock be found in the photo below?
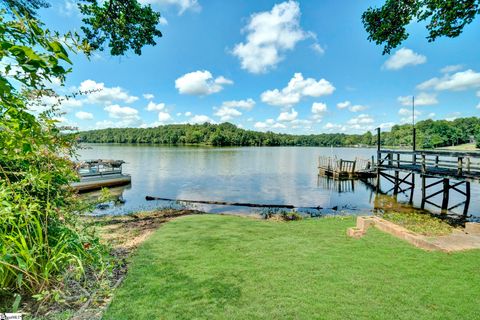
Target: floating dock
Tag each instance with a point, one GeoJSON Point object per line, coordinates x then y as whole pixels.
{"type": "Point", "coordinates": [340, 169]}
{"type": "Point", "coordinates": [98, 174]}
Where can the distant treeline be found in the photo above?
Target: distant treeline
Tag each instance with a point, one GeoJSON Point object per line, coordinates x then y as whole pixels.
{"type": "Point", "coordinates": [430, 134]}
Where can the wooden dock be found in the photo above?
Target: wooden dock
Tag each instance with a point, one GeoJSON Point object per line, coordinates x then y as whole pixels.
{"type": "Point", "coordinates": [441, 172]}
{"type": "Point", "coordinates": [340, 169]}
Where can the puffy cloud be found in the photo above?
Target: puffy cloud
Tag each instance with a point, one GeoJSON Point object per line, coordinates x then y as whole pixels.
{"type": "Point", "coordinates": [82, 115]}
{"type": "Point", "coordinates": [422, 99]}
{"type": "Point", "coordinates": [344, 104]}
{"type": "Point", "coordinates": [269, 124]}
{"type": "Point", "coordinates": [242, 104]}
{"type": "Point", "coordinates": [126, 116]}
{"type": "Point", "coordinates": [163, 21]}
{"type": "Point", "coordinates": [451, 68]}
{"type": "Point", "coordinates": [351, 107]}
{"type": "Point", "coordinates": [407, 115]}
{"type": "Point", "coordinates": [226, 113]}
{"type": "Point", "coordinates": [164, 116]}
{"type": "Point", "coordinates": [288, 116]}
{"type": "Point", "coordinates": [188, 114]}
{"type": "Point", "coordinates": [152, 106]}
{"type": "Point", "coordinates": [297, 88]}
{"type": "Point", "coordinates": [361, 119]}
{"type": "Point", "coordinates": [386, 125]}
{"type": "Point", "coordinates": [182, 5]}
{"type": "Point", "coordinates": [68, 8]}
{"type": "Point", "coordinates": [318, 48]}
{"type": "Point", "coordinates": [200, 83]}
{"type": "Point", "coordinates": [269, 35]}
{"type": "Point", "coordinates": [148, 96]}
{"type": "Point", "coordinates": [402, 58]}
{"type": "Point", "coordinates": [334, 127]}
{"type": "Point", "coordinates": [105, 94]}
{"type": "Point", "coordinates": [318, 107]}
{"type": "Point", "coordinates": [459, 81]}
{"type": "Point", "coordinates": [200, 119]}
{"type": "Point", "coordinates": [357, 108]}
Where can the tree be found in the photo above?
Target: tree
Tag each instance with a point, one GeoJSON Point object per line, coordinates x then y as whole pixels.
{"type": "Point", "coordinates": [121, 25]}
{"type": "Point", "coordinates": [444, 18]}
{"type": "Point", "coordinates": [39, 240]}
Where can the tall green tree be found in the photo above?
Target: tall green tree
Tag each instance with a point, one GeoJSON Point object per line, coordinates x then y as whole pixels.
{"type": "Point", "coordinates": [119, 25]}
{"type": "Point", "coordinates": [387, 24]}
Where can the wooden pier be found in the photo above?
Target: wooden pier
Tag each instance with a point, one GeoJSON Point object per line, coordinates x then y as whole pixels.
{"type": "Point", "coordinates": [340, 169]}
{"type": "Point", "coordinates": [441, 172]}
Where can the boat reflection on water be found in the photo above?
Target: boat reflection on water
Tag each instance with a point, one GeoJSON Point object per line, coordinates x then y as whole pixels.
{"type": "Point", "coordinates": [113, 198]}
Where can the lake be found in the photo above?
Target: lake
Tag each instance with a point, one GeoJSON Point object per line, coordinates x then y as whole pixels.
{"type": "Point", "coordinates": [266, 175]}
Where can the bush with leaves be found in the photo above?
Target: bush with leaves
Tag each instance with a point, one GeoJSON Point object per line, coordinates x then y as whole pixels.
{"type": "Point", "coordinates": [39, 239]}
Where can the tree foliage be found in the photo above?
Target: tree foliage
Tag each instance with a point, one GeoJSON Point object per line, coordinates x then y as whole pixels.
{"type": "Point", "coordinates": [444, 18]}
{"type": "Point", "coordinates": [120, 25]}
{"type": "Point", "coordinates": [430, 134]}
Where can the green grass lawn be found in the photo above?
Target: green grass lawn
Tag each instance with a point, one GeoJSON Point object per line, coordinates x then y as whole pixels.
{"type": "Point", "coordinates": [224, 267]}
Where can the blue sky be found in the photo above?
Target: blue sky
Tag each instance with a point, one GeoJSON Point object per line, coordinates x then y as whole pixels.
{"type": "Point", "coordinates": [295, 67]}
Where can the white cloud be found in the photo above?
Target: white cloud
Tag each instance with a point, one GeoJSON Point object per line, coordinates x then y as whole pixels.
{"type": "Point", "coordinates": [269, 35]}
{"type": "Point", "coordinates": [422, 99]}
{"type": "Point", "coordinates": [459, 81]}
{"type": "Point", "coordinates": [451, 68]}
{"type": "Point", "coordinates": [105, 94]}
{"type": "Point", "coordinates": [82, 115]}
{"type": "Point", "coordinates": [386, 125]}
{"type": "Point", "coordinates": [353, 108]}
{"type": "Point", "coordinates": [163, 21]}
{"type": "Point", "coordinates": [318, 48]}
{"type": "Point", "coordinates": [200, 83]}
{"type": "Point", "coordinates": [226, 113]}
{"type": "Point", "coordinates": [357, 108]}
{"type": "Point", "coordinates": [478, 106]}
{"type": "Point", "coordinates": [200, 119]}
{"type": "Point", "coordinates": [164, 116]}
{"type": "Point", "coordinates": [334, 127]}
{"type": "Point", "coordinates": [152, 106]}
{"type": "Point", "coordinates": [182, 5]}
{"type": "Point", "coordinates": [343, 105]}
{"type": "Point", "coordinates": [288, 116]}
{"type": "Point", "coordinates": [361, 119]}
{"type": "Point", "coordinates": [297, 88]}
{"type": "Point", "coordinates": [269, 124]}
{"type": "Point", "coordinates": [402, 58]}
{"type": "Point", "coordinates": [126, 116]}
{"type": "Point", "coordinates": [242, 104]}
{"type": "Point", "coordinates": [148, 96]}
{"type": "Point", "coordinates": [188, 114]}
{"type": "Point", "coordinates": [260, 125]}
{"type": "Point", "coordinates": [68, 8]}
{"type": "Point", "coordinates": [407, 115]}
{"type": "Point", "coordinates": [431, 115]}
{"type": "Point", "coordinates": [318, 110]}
{"type": "Point", "coordinates": [319, 107]}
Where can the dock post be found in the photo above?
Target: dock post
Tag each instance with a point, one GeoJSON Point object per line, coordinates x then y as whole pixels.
{"type": "Point", "coordinates": [397, 183]}
{"type": "Point", "coordinates": [412, 189]}
{"type": "Point", "coordinates": [446, 193]}
{"type": "Point", "coordinates": [467, 198]}
{"type": "Point", "coordinates": [424, 190]}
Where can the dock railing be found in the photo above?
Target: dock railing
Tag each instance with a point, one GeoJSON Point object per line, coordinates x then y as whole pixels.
{"type": "Point", "coordinates": [462, 165]}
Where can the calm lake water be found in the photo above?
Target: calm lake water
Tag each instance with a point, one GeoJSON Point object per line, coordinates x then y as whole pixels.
{"type": "Point", "coordinates": [267, 175]}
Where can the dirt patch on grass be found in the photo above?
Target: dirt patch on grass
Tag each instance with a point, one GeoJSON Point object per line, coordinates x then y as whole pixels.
{"type": "Point", "coordinates": [125, 233]}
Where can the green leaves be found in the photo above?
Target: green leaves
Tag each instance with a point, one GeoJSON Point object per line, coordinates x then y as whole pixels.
{"type": "Point", "coordinates": [120, 24]}
{"type": "Point", "coordinates": [387, 25]}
